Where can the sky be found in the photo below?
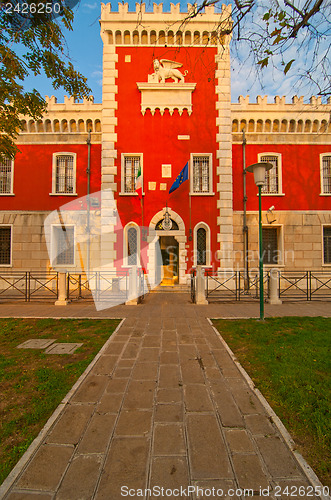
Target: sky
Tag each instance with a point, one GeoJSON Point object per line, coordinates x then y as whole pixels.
{"type": "Point", "coordinates": [84, 47]}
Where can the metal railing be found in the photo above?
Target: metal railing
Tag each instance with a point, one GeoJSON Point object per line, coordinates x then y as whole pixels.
{"type": "Point", "coordinates": [28, 285]}
{"type": "Point", "coordinates": [99, 286]}
{"type": "Point", "coordinates": [233, 286]}
{"type": "Point", "coordinates": [193, 285]}
{"type": "Point", "coordinates": [304, 285]}
{"type": "Point", "coordinates": [292, 285]}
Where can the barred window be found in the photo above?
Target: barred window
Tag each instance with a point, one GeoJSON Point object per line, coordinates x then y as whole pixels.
{"type": "Point", "coordinates": [201, 174]}
{"type": "Point", "coordinates": [6, 172]}
{"type": "Point", "coordinates": [201, 246]}
{"type": "Point", "coordinates": [64, 246]}
{"type": "Point", "coordinates": [326, 174]}
{"type": "Point", "coordinates": [327, 245]}
{"type": "Point", "coordinates": [5, 246]}
{"type": "Point", "coordinates": [271, 184]}
{"type": "Point", "coordinates": [132, 246]}
{"type": "Point", "coordinates": [131, 168]}
{"type": "Point", "coordinates": [270, 245]}
{"type": "Point", "coordinates": [64, 174]}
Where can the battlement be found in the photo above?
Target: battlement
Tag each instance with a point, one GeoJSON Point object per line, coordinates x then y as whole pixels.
{"type": "Point", "coordinates": [281, 102]}
{"type": "Point", "coordinates": [141, 27]}
{"type": "Point", "coordinates": [71, 104]}
{"type": "Point", "coordinates": [279, 117]}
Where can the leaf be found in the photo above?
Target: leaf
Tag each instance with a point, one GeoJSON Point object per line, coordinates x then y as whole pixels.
{"type": "Point", "coordinates": [263, 62]}
{"type": "Point", "coordinates": [288, 66]}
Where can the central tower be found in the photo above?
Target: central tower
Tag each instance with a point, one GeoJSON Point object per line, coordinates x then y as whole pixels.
{"type": "Point", "coordinates": [166, 103]}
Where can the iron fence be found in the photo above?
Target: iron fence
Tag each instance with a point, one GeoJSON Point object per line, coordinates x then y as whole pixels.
{"type": "Point", "coordinates": [193, 285]}
{"type": "Point", "coordinates": [304, 285]}
{"type": "Point", "coordinates": [99, 286]}
{"type": "Point", "coordinates": [237, 286]}
{"type": "Point", "coordinates": [28, 285]}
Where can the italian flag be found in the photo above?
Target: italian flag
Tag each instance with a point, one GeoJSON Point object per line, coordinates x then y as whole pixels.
{"type": "Point", "coordinates": [139, 187]}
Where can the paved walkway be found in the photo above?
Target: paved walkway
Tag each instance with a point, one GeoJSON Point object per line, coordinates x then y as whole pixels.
{"type": "Point", "coordinates": [164, 406]}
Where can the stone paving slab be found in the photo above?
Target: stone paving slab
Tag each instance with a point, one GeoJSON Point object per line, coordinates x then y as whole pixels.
{"type": "Point", "coordinates": [164, 406]}
{"type": "Point", "coordinates": [63, 348]}
{"type": "Point", "coordinates": [36, 344]}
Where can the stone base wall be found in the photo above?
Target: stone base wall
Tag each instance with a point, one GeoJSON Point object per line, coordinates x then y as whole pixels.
{"type": "Point", "coordinates": [300, 239]}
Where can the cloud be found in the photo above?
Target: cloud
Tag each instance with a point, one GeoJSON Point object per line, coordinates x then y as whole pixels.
{"type": "Point", "coordinates": [91, 6]}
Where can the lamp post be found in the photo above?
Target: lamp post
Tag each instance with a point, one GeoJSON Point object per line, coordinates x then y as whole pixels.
{"type": "Point", "coordinates": [259, 170]}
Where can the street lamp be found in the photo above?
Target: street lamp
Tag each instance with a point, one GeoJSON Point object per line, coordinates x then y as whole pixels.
{"type": "Point", "coordinates": [259, 170]}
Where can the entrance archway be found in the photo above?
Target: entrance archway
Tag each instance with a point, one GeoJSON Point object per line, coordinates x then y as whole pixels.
{"type": "Point", "coordinates": [176, 264]}
{"type": "Point", "coordinates": [170, 255]}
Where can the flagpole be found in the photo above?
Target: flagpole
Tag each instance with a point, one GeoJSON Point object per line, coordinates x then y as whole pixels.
{"type": "Point", "coordinates": [190, 212]}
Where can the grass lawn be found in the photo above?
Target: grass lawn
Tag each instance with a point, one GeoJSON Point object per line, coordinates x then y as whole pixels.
{"type": "Point", "coordinates": [34, 383]}
{"type": "Point", "coordinates": [289, 361]}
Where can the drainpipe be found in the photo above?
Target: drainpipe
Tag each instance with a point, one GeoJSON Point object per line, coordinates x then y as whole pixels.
{"type": "Point", "coordinates": [245, 227]}
{"type": "Point", "coordinates": [88, 202]}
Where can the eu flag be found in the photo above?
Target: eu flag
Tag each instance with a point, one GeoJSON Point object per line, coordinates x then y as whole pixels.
{"type": "Point", "coordinates": [182, 177]}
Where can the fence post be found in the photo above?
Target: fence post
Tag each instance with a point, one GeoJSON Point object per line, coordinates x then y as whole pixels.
{"type": "Point", "coordinates": [200, 290]}
{"type": "Point", "coordinates": [62, 298]}
{"type": "Point", "coordinates": [133, 287]}
{"type": "Point", "coordinates": [273, 287]}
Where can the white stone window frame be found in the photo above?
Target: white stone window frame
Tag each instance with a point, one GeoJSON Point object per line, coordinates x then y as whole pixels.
{"type": "Point", "coordinates": [123, 156]}
{"type": "Point", "coordinates": [280, 170]}
{"type": "Point", "coordinates": [11, 246]}
{"type": "Point", "coordinates": [54, 247]}
{"type": "Point", "coordinates": [11, 192]}
{"type": "Point", "coordinates": [322, 155]}
{"type": "Point", "coordinates": [125, 244]}
{"type": "Point", "coordinates": [324, 264]}
{"type": "Point", "coordinates": [205, 226]}
{"type": "Point", "coordinates": [280, 245]}
{"type": "Point", "coordinates": [55, 156]}
{"type": "Point", "coordinates": [210, 191]}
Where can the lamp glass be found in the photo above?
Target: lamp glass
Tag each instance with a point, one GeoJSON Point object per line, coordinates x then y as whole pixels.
{"type": "Point", "coordinates": [259, 170]}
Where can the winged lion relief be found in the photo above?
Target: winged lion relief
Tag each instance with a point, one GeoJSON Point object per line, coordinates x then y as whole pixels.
{"type": "Point", "coordinates": [165, 69]}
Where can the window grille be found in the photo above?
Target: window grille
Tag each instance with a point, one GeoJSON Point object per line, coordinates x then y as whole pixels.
{"type": "Point", "coordinates": [270, 245]}
{"type": "Point", "coordinates": [201, 174]}
{"type": "Point", "coordinates": [5, 176]}
{"type": "Point", "coordinates": [131, 168]}
{"type": "Point", "coordinates": [327, 245]}
{"type": "Point", "coordinates": [201, 246]}
{"type": "Point", "coordinates": [271, 184]}
{"type": "Point", "coordinates": [5, 245]}
{"type": "Point", "coordinates": [132, 246]}
{"type": "Point", "coordinates": [64, 246]}
{"type": "Point", "coordinates": [326, 174]}
{"type": "Point", "coordinates": [64, 174]}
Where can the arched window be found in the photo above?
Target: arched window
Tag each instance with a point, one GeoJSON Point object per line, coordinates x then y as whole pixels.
{"type": "Point", "coordinates": [131, 245]}
{"type": "Point", "coordinates": [202, 245]}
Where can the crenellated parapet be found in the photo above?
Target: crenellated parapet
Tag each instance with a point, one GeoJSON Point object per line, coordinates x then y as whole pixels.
{"type": "Point", "coordinates": [174, 28]}
{"type": "Point", "coordinates": [279, 117]}
{"type": "Point", "coordinates": [68, 117]}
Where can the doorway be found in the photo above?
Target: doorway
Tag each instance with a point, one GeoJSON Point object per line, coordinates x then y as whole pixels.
{"type": "Point", "coordinates": [169, 254]}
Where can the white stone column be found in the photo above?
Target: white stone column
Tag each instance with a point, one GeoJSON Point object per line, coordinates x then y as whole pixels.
{"type": "Point", "coordinates": [273, 287]}
{"type": "Point", "coordinates": [108, 156]}
{"type": "Point", "coordinates": [62, 284]}
{"type": "Point", "coordinates": [200, 287]}
{"type": "Point", "coordinates": [224, 155]}
{"type": "Point", "coordinates": [133, 287]}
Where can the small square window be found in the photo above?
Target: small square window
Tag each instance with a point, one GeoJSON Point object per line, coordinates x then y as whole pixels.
{"type": "Point", "coordinates": [201, 173]}
{"type": "Point", "coordinates": [64, 174]}
{"type": "Point", "coordinates": [63, 246]}
{"type": "Point", "coordinates": [5, 246]}
{"type": "Point", "coordinates": [270, 247]}
{"type": "Point", "coordinates": [6, 176]}
{"type": "Point", "coordinates": [131, 165]}
{"type": "Point", "coordinates": [327, 245]}
{"type": "Point", "coordinates": [326, 173]}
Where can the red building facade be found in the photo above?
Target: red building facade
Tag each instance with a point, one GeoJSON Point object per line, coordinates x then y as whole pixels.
{"type": "Point", "coordinates": [166, 103]}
